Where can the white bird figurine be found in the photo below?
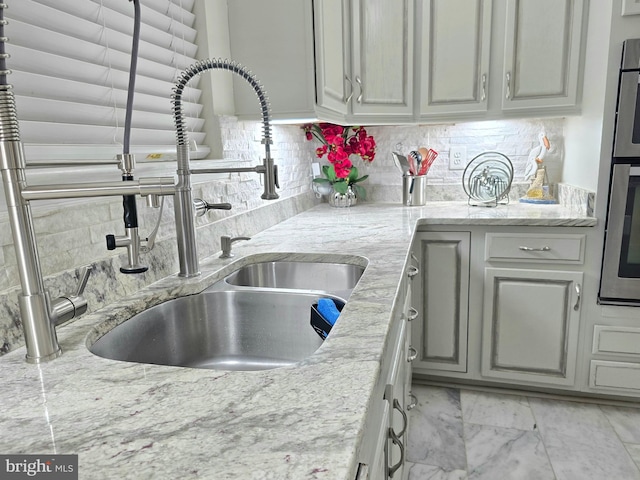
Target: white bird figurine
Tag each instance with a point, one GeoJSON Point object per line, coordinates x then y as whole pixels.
{"type": "Point", "coordinates": [536, 156]}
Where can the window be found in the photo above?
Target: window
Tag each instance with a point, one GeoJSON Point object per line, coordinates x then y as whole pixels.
{"type": "Point", "coordinates": [70, 61]}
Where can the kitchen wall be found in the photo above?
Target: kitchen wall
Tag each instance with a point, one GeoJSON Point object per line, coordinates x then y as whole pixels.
{"type": "Point", "coordinates": [71, 234]}
{"type": "Point", "coordinates": [584, 133]}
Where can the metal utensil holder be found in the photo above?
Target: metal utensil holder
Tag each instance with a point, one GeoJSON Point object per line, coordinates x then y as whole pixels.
{"type": "Point", "coordinates": [414, 190]}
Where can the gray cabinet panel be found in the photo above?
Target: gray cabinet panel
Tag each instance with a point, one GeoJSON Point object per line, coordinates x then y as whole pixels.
{"type": "Point", "coordinates": [442, 300]}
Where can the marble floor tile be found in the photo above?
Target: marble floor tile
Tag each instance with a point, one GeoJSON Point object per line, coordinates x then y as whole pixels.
{"type": "Point", "coordinates": [498, 410]}
{"type": "Point", "coordinates": [418, 471]}
{"type": "Point", "coordinates": [625, 421]}
{"type": "Point", "coordinates": [580, 442]}
{"type": "Point", "coordinates": [506, 454]}
{"type": "Point", "coordinates": [436, 433]}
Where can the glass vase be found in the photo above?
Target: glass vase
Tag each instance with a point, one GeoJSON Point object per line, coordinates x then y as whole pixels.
{"type": "Point", "coordinates": [341, 200]}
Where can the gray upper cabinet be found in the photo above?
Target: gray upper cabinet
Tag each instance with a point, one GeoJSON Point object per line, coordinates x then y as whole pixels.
{"type": "Point", "coordinates": [499, 58]}
{"type": "Point", "coordinates": [405, 61]}
{"type": "Point", "coordinates": [334, 88]}
{"type": "Point", "coordinates": [542, 54]}
{"type": "Point", "coordinates": [382, 59]}
{"type": "Point", "coordinates": [453, 54]}
{"type": "Point", "coordinates": [279, 51]}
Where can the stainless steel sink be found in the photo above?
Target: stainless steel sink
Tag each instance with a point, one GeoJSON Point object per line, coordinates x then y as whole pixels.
{"type": "Point", "coordinates": [227, 330]}
{"type": "Point", "coordinates": [329, 277]}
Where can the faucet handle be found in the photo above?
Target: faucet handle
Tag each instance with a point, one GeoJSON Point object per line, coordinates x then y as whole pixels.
{"type": "Point", "coordinates": [203, 207]}
{"type": "Point", "coordinates": [66, 308]}
{"type": "Point", "coordinates": [85, 272]}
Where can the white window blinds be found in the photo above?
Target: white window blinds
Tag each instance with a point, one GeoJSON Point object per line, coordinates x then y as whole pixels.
{"type": "Point", "coordinates": [70, 61]}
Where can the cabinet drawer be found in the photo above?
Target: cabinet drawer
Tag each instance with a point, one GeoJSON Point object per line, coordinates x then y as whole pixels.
{"type": "Point", "coordinates": [534, 248]}
{"type": "Point", "coordinates": [615, 375]}
{"type": "Point", "coordinates": [616, 340]}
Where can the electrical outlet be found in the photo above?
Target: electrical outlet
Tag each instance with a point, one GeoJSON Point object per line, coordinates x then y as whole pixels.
{"type": "Point", "coordinates": [457, 157]}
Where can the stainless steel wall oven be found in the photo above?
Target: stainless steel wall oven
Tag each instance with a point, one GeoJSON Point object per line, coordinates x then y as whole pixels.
{"type": "Point", "coordinates": [620, 277]}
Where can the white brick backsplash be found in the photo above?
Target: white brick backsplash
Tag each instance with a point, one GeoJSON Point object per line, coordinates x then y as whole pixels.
{"type": "Point", "coordinates": [513, 138]}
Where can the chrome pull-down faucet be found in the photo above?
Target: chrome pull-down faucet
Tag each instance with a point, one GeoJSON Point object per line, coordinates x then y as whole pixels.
{"type": "Point", "coordinates": [183, 201]}
{"type": "Point", "coordinates": [38, 312]}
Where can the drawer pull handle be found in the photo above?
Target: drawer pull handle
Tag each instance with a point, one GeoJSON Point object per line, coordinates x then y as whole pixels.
{"type": "Point", "coordinates": [534, 249]}
{"type": "Point", "coordinates": [413, 314]}
{"type": "Point", "coordinates": [579, 294]}
{"type": "Point", "coordinates": [405, 421]}
{"type": "Point", "coordinates": [414, 402]}
{"type": "Point", "coordinates": [396, 441]}
{"type": "Point", "coordinates": [413, 354]}
{"type": "Point", "coordinates": [412, 271]}
{"type": "Point", "coordinates": [348, 99]}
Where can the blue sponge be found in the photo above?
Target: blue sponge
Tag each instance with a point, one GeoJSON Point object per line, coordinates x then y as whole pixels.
{"type": "Point", "coordinates": [327, 308]}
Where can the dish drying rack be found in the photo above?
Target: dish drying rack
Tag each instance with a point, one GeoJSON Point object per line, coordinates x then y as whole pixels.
{"type": "Point", "coordinates": [487, 180]}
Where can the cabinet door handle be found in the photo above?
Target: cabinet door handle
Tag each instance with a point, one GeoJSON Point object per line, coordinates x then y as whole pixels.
{"type": "Point", "coordinates": [483, 88]}
{"type": "Point", "coordinates": [348, 99]}
{"type": "Point", "coordinates": [413, 354]}
{"type": "Point", "coordinates": [412, 271]}
{"type": "Point", "coordinates": [359, 82]}
{"type": "Point", "coordinates": [396, 441]}
{"type": "Point", "coordinates": [535, 249]}
{"type": "Point", "coordinates": [579, 294]}
{"type": "Point", "coordinates": [413, 314]}
{"type": "Point", "coordinates": [405, 422]}
{"type": "Point", "coordinates": [413, 403]}
{"type": "Point", "coordinates": [508, 79]}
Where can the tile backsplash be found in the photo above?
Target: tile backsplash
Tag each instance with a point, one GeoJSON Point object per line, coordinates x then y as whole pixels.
{"type": "Point", "coordinates": [513, 138]}
{"type": "Point", "coordinates": [71, 234]}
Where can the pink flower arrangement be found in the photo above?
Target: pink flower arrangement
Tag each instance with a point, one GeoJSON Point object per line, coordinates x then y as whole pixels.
{"type": "Point", "coordinates": [338, 144]}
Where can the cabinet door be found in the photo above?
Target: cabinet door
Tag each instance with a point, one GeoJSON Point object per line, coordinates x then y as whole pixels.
{"type": "Point", "coordinates": [530, 325]}
{"type": "Point", "coordinates": [542, 53]}
{"type": "Point", "coordinates": [331, 29]}
{"type": "Point", "coordinates": [454, 56]}
{"type": "Point", "coordinates": [440, 331]}
{"type": "Point", "coordinates": [382, 49]}
{"type": "Point", "coordinates": [275, 41]}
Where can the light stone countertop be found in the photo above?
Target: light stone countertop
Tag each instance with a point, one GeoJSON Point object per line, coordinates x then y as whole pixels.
{"type": "Point", "coordinates": [127, 420]}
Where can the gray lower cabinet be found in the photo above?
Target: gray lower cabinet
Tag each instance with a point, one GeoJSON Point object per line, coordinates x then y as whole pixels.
{"type": "Point", "coordinates": [614, 363]}
{"type": "Point", "coordinates": [383, 450]}
{"type": "Point", "coordinates": [498, 306]}
{"type": "Point", "coordinates": [440, 331]}
{"type": "Point", "coordinates": [531, 320]}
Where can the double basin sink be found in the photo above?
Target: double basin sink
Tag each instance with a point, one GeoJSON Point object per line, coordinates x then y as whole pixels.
{"type": "Point", "coordinates": [256, 318]}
